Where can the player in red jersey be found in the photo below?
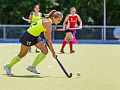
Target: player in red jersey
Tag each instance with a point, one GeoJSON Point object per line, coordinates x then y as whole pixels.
{"type": "Point", "coordinates": [71, 20]}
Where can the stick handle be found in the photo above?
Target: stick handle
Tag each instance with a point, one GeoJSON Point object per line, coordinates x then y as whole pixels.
{"type": "Point", "coordinates": [69, 76]}
{"type": "Point", "coordinates": [73, 28]}
{"type": "Point", "coordinates": [27, 19]}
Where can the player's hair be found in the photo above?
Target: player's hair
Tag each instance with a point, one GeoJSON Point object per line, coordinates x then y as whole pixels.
{"type": "Point", "coordinates": [55, 14]}
{"type": "Point", "coordinates": [72, 8]}
{"type": "Point", "coordinates": [34, 10]}
{"type": "Point", "coordinates": [35, 6]}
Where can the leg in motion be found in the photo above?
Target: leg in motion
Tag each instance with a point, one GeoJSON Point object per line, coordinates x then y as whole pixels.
{"type": "Point", "coordinates": [39, 57]}
{"type": "Point", "coordinates": [71, 42]}
{"type": "Point", "coordinates": [64, 43]}
{"type": "Point", "coordinates": [16, 59]}
{"type": "Point", "coordinates": [37, 50]}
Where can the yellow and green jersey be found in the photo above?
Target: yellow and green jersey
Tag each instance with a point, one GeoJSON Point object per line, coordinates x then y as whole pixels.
{"type": "Point", "coordinates": [37, 28]}
{"type": "Point", "coordinates": [35, 18]}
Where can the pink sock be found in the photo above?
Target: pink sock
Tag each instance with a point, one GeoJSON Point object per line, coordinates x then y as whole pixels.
{"type": "Point", "coordinates": [74, 39]}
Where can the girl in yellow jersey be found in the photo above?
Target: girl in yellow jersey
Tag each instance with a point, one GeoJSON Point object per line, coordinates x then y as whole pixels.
{"type": "Point", "coordinates": [35, 16]}
{"type": "Point", "coordinates": [31, 37]}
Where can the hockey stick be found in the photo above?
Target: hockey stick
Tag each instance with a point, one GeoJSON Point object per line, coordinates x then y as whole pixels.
{"type": "Point", "coordinates": [61, 29]}
{"type": "Point", "coordinates": [74, 28]}
{"type": "Point", "coordinates": [27, 19]}
{"type": "Point", "coordinates": [77, 27]}
{"type": "Point", "coordinates": [69, 76]}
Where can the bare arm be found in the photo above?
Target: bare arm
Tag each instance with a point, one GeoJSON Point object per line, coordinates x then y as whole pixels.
{"type": "Point", "coordinates": [47, 33]}
{"type": "Point", "coordinates": [30, 17]}
{"type": "Point", "coordinates": [41, 16]}
{"type": "Point", "coordinates": [66, 19]}
{"type": "Point", "coordinates": [80, 21]}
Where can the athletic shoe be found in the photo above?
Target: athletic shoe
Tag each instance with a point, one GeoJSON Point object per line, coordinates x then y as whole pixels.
{"type": "Point", "coordinates": [76, 42]}
{"type": "Point", "coordinates": [8, 70]}
{"type": "Point", "coordinates": [62, 51]}
{"type": "Point", "coordinates": [33, 69]}
{"type": "Point", "coordinates": [29, 49]}
{"type": "Point", "coordinates": [37, 51]}
{"type": "Point", "coordinates": [72, 51]}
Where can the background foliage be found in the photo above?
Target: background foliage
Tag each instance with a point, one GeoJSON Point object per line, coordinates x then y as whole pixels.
{"type": "Point", "coordinates": [90, 11]}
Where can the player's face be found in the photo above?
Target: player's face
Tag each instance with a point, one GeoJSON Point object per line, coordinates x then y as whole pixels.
{"type": "Point", "coordinates": [57, 20]}
{"type": "Point", "coordinates": [37, 8]}
{"type": "Point", "coordinates": [73, 11]}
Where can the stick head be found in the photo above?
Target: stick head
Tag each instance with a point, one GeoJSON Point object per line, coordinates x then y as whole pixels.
{"type": "Point", "coordinates": [70, 75]}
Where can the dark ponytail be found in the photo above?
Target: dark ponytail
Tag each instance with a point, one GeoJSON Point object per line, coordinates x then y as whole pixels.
{"type": "Point", "coordinates": [50, 14]}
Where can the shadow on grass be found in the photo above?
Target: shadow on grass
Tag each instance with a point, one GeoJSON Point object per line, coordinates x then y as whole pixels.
{"type": "Point", "coordinates": [26, 76]}
{"type": "Point", "coordinates": [32, 76]}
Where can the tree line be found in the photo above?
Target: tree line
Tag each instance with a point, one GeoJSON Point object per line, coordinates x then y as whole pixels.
{"type": "Point", "coordinates": [90, 11]}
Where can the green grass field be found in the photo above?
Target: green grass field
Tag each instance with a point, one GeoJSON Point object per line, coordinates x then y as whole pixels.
{"type": "Point", "coordinates": [99, 66]}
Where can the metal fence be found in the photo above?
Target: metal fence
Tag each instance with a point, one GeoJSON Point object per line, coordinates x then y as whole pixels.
{"type": "Point", "coordinates": [88, 34]}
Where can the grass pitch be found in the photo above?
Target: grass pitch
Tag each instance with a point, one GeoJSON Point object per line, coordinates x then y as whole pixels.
{"type": "Point", "coordinates": [99, 66]}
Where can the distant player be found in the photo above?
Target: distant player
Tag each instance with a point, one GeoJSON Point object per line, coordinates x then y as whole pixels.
{"type": "Point", "coordinates": [35, 15]}
{"type": "Point", "coordinates": [31, 37]}
{"type": "Point", "coordinates": [71, 20]}
{"type": "Point", "coordinates": [116, 33]}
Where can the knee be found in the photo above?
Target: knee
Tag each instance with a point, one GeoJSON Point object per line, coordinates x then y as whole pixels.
{"type": "Point", "coordinates": [45, 51]}
{"type": "Point", "coordinates": [21, 55]}
{"type": "Point", "coordinates": [71, 39]}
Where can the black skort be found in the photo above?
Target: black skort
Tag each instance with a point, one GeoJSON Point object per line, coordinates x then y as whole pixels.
{"type": "Point", "coordinates": [69, 31]}
{"type": "Point", "coordinates": [29, 40]}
